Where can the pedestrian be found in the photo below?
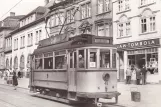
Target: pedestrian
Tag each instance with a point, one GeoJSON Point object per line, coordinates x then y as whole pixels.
{"type": "Point", "coordinates": [138, 75]}
{"type": "Point", "coordinates": [19, 74]}
{"type": "Point", "coordinates": [133, 75]}
{"type": "Point", "coordinates": [15, 81]}
{"type": "Point", "coordinates": [128, 76]}
{"type": "Point", "coordinates": [144, 73]}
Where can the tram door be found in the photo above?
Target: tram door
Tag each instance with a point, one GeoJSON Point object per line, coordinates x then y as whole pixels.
{"type": "Point", "coordinates": [72, 71]}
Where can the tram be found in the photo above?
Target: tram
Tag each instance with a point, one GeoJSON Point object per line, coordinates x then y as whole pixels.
{"type": "Point", "coordinates": [76, 69]}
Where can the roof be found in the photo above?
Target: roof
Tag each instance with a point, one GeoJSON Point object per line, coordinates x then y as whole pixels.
{"type": "Point", "coordinates": [10, 22]}
{"type": "Point", "coordinates": [39, 10]}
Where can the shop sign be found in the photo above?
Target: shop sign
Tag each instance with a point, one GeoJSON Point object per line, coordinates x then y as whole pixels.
{"type": "Point", "coordinates": [144, 43]}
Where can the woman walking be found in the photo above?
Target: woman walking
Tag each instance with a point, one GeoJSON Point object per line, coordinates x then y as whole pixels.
{"type": "Point", "coordinates": [15, 81]}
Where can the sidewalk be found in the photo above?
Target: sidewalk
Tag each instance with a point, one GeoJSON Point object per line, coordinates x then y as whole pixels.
{"type": "Point", "coordinates": [22, 82]}
{"type": "Point", "coordinates": [150, 95]}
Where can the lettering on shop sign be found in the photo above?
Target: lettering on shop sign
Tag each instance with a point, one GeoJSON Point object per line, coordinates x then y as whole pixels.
{"type": "Point", "coordinates": [144, 43]}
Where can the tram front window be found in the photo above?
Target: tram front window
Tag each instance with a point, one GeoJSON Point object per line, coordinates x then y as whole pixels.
{"type": "Point", "coordinates": [93, 59]}
{"type": "Point", "coordinates": [81, 59]}
{"type": "Point", "coordinates": [104, 58]}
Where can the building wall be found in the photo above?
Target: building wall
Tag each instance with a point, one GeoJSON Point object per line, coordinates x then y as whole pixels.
{"type": "Point", "coordinates": [78, 21]}
{"type": "Point", "coordinates": [27, 49]}
{"type": "Point", "coordinates": [134, 15]}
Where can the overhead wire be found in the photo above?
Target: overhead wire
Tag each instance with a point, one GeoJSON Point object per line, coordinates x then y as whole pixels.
{"type": "Point", "coordinates": [11, 8]}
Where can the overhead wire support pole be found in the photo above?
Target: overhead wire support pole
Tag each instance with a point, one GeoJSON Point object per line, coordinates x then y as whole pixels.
{"type": "Point", "coordinates": [66, 20]}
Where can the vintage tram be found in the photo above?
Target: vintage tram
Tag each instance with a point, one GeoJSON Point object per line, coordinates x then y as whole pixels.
{"type": "Point", "coordinates": [76, 69]}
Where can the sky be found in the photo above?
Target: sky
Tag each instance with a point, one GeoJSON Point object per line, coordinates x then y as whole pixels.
{"type": "Point", "coordinates": [23, 8]}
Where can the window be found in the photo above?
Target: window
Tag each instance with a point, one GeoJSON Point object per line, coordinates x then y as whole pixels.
{"type": "Point", "coordinates": [22, 41]}
{"type": "Point", "coordinates": [70, 16]}
{"type": "Point", "coordinates": [81, 59]}
{"type": "Point", "coordinates": [22, 62]}
{"type": "Point", "coordinates": [57, 19]}
{"type": "Point", "coordinates": [60, 60]}
{"type": "Point", "coordinates": [48, 60]}
{"type": "Point", "coordinates": [86, 10]}
{"type": "Point", "coordinates": [38, 62]}
{"type": "Point", "coordinates": [103, 6]}
{"type": "Point", "coordinates": [16, 62]}
{"type": "Point", "coordinates": [1, 42]}
{"type": "Point", "coordinates": [124, 27]}
{"type": "Point", "coordinates": [30, 39]}
{"type": "Point", "coordinates": [148, 23]}
{"type": "Point", "coordinates": [16, 43]}
{"type": "Point", "coordinates": [38, 35]}
{"type": "Point", "coordinates": [93, 58]}
{"type": "Point", "coordinates": [123, 5]}
{"type": "Point", "coordinates": [11, 63]}
{"type": "Point", "coordinates": [7, 63]}
{"type": "Point", "coordinates": [103, 30]}
{"type": "Point", "coordinates": [104, 58]}
{"type": "Point", "coordinates": [145, 2]}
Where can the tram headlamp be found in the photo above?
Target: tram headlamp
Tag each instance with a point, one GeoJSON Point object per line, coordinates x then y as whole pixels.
{"type": "Point", "coordinates": [106, 77]}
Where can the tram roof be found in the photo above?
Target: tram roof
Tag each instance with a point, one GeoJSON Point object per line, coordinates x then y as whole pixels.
{"type": "Point", "coordinates": [74, 42]}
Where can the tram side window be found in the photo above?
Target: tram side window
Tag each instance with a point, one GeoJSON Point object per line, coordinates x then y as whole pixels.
{"type": "Point", "coordinates": [48, 61]}
{"type": "Point", "coordinates": [113, 58]}
{"type": "Point", "coordinates": [105, 58]}
{"type": "Point", "coordinates": [60, 60]}
{"type": "Point", "coordinates": [93, 58]}
{"type": "Point", "coordinates": [38, 63]}
{"type": "Point", "coordinates": [81, 59]}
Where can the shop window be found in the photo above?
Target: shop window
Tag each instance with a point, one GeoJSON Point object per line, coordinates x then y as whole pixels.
{"type": "Point", "coordinates": [81, 59]}
{"type": "Point", "coordinates": [93, 61]}
{"type": "Point", "coordinates": [60, 60]}
{"type": "Point", "coordinates": [38, 62]}
{"type": "Point", "coordinates": [104, 58]}
{"type": "Point", "coordinates": [48, 61]}
{"type": "Point", "coordinates": [131, 60]}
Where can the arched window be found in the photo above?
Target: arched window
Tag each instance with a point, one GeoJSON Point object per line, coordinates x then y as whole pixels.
{"type": "Point", "coordinates": [124, 27]}
{"type": "Point", "coordinates": [147, 21]}
{"type": "Point", "coordinates": [15, 62]}
{"type": "Point", "coordinates": [7, 63]}
{"type": "Point", "coordinates": [28, 60]}
{"type": "Point", "coordinates": [11, 63]}
{"type": "Point", "coordinates": [22, 63]}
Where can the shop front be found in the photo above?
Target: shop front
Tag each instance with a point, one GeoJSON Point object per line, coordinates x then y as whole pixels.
{"type": "Point", "coordinates": [139, 53]}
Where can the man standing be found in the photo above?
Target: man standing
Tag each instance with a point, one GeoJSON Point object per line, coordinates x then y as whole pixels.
{"type": "Point", "coordinates": [138, 75]}
{"type": "Point", "coordinates": [128, 76]}
{"type": "Point", "coordinates": [143, 72]}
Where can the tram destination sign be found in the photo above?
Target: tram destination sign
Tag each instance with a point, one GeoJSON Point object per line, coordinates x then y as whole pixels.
{"type": "Point", "coordinates": [144, 43]}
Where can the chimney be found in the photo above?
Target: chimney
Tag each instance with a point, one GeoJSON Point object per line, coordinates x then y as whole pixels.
{"type": "Point", "coordinates": [46, 2]}
{"type": "Point", "coordinates": [12, 13]}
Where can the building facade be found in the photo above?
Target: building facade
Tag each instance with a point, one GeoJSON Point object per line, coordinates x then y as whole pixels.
{"type": "Point", "coordinates": [7, 25]}
{"type": "Point", "coordinates": [73, 17]}
{"type": "Point", "coordinates": [26, 38]}
{"type": "Point", "coordinates": [136, 32]}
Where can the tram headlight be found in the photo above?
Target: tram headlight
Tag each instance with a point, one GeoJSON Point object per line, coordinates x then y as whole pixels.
{"type": "Point", "coordinates": [106, 77]}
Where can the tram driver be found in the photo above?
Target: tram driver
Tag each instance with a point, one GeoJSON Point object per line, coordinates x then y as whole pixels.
{"type": "Point", "coordinates": [81, 61]}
